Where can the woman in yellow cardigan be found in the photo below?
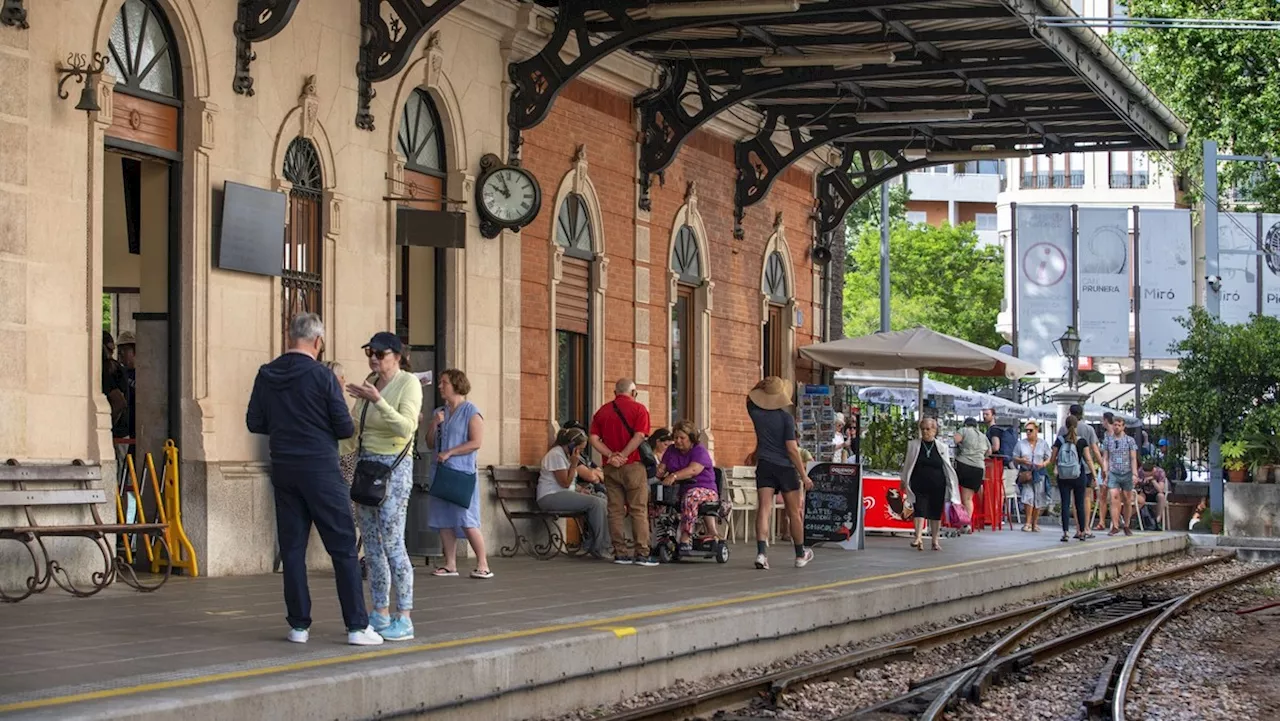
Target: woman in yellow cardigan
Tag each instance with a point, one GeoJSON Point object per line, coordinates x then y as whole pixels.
{"type": "Point", "coordinates": [386, 416]}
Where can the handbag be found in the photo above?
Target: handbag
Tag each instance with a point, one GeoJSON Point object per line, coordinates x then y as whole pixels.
{"type": "Point", "coordinates": [369, 483]}
{"type": "Point", "coordinates": [645, 450]}
{"type": "Point", "coordinates": [956, 516]}
{"type": "Point", "coordinates": [451, 484]}
{"type": "Point", "coordinates": [1024, 477]}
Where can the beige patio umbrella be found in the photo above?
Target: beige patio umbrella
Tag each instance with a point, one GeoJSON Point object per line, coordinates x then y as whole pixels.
{"type": "Point", "coordinates": [920, 349]}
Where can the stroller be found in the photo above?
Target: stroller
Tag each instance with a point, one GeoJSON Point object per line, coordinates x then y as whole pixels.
{"type": "Point", "coordinates": [665, 527]}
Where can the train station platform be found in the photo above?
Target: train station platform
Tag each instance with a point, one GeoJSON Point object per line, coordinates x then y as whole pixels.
{"type": "Point", "coordinates": [541, 638]}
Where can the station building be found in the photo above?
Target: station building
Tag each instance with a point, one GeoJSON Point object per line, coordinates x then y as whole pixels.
{"type": "Point", "coordinates": [676, 228]}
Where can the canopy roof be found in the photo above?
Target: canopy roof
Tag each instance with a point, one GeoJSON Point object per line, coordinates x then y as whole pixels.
{"type": "Point", "coordinates": [919, 348]}
{"type": "Point", "coordinates": [968, 402]}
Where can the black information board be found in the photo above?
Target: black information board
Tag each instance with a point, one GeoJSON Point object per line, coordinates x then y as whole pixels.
{"type": "Point", "coordinates": [252, 233]}
{"type": "Point", "coordinates": [833, 507]}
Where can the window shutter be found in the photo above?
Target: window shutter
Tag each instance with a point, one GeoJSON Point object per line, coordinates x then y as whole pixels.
{"type": "Point", "coordinates": [572, 295]}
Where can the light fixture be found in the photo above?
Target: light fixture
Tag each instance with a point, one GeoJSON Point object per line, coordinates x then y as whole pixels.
{"type": "Point", "coordinates": [832, 59]}
{"type": "Point", "coordinates": [962, 155]}
{"type": "Point", "coordinates": [703, 8]}
{"type": "Point", "coordinates": [915, 116]}
{"type": "Point", "coordinates": [79, 68]}
{"type": "Point", "coordinates": [1069, 346]}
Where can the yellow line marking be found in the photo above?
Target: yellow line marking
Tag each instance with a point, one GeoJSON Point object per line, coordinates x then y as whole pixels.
{"type": "Point", "coordinates": [507, 636]}
{"type": "Point", "coordinates": [619, 631]}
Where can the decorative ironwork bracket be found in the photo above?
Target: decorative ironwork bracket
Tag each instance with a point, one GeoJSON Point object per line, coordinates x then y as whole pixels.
{"type": "Point", "coordinates": [14, 15]}
{"type": "Point", "coordinates": [388, 39]}
{"type": "Point", "coordinates": [842, 186]}
{"type": "Point", "coordinates": [256, 21]}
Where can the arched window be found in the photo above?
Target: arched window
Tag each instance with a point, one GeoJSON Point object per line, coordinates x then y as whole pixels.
{"type": "Point", "coordinates": [573, 310]}
{"type": "Point", "coordinates": [140, 52]}
{"type": "Point", "coordinates": [420, 138]}
{"type": "Point", "coordinates": [301, 280]}
{"type": "Point", "coordinates": [774, 287]}
{"type": "Point", "coordinates": [686, 263]}
{"type": "Point", "coordinates": [775, 279]}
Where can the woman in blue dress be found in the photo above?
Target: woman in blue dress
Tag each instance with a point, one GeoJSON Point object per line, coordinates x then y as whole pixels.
{"type": "Point", "coordinates": [456, 432]}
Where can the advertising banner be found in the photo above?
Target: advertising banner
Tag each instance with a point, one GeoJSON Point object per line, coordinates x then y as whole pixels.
{"type": "Point", "coordinates": [1271, 265]}
{"type": "Point", "coordinates": [1238, 232]}
{"type": "Point", "coordinates": [1043, 284]}
{"type": "Point", "coordinates": [1167, 279]}
{"type": "Point", "coordinates": [1105, 274]}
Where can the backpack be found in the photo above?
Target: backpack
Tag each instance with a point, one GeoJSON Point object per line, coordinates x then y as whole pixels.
{"type": "Point", "coordinates": [1008, 441]}
{"type": "Point", "coordinates": [1068, 461]}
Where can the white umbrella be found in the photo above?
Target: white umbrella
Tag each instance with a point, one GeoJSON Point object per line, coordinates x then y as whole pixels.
{"type": "Point", "coordinates": [918, 348]}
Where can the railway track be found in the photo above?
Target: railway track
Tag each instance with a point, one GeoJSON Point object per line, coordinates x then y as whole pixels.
{"type": "Point", "coordinates": [969, 679]}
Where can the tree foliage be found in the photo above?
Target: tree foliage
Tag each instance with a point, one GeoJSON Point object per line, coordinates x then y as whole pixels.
{"type": "Point", "coordinates": [1228, 377]}
{"type": "Point", "coordinates": [1224, 83]}
{"type": "Point", "coordinates": [864, 213]}
{"type": "Point", "coordinates": [939, 277]}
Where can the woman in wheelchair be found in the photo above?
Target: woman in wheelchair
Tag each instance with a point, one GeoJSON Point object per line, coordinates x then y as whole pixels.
{"type": "Point", "coordinates": [688, 462]}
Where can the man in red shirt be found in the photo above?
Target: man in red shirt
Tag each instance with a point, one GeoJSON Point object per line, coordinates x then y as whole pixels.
{"type": "Point", "coordinates": [617, 430]}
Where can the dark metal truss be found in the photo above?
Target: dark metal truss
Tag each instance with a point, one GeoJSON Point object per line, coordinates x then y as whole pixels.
{"type": "Point", "coordinates": [256, 21]}
{"type": "Point", "coordinates": [387, 43]}
{"type": "Point", "coordinates": [13, 14]}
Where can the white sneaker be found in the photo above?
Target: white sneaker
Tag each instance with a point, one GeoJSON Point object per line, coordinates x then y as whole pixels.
{"type": "Point", "coordinates": [364, 637]}
{"type": "Point", "coordinates": [299, 635]}
{"type": "Point", "coordinates": [803, 561]}
{"type": "Point", "coordinates": [762, 562]}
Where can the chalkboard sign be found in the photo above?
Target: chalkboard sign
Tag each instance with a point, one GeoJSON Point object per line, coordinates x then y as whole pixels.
{"type": "Point", "coordinates": [833, 507]}
{"type": "Point", "coordinates": [252, 235]}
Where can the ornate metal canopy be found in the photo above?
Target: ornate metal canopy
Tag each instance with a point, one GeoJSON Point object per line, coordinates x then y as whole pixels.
{"type": "Point", "coordinates": [892, 85]}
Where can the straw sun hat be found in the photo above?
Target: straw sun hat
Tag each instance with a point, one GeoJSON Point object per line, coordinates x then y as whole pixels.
{"type": "Point", "coordinates": [771, 394]}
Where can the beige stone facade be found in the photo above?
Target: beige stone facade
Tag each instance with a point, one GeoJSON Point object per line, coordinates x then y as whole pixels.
{"type": "Point", "coordinates": [58, 225]}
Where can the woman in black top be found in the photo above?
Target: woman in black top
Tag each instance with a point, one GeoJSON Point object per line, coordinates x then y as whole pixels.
{"type": "Point", "coordinates": [1072, 488]}
{"type": "Point", "coordinates": [930, 482]}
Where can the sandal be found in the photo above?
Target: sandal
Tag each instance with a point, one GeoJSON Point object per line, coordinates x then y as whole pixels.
{"type": "Point", "coordinates": [1026, 529]}
{"type": "Point", "coordinates": [442, 571]}
{"type": "Point", "coordinates": [918, 545]}
{"type": "Point", "coordinates": [936, 546]}
{"type": "Point", "coordinates": [485, 574]}
{"type": "Point", "coordinates": [1065, 539]}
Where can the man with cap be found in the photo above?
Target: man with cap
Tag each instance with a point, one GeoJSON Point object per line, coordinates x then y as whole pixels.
{"type": "Point", "coordinates": [1085, 432]}
{"type": "Point", "coordinates": [297, 403]}
{"type": "Point", "coordinates": [779, 466]}
{"type": "Point", "coordinates": [127, 352]}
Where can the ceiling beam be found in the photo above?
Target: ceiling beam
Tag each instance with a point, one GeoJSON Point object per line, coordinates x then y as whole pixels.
{"type": "Point", "coordinates": [804, 41]}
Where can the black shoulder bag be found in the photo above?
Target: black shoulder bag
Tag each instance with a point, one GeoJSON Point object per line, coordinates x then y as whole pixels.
{"type": "Point", "coordinates": [645, 450]}
{"type": "Point", "coordinates": [369, 484]}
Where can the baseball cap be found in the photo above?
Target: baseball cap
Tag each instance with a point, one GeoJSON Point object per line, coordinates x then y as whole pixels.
{"type": "Point", "coordinates": [385, 341]}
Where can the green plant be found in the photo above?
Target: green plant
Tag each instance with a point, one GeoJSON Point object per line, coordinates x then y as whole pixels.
{"type": "Point", "coordinates": [884, 444]}
{"type": "Point", "coordinates": [1086, 584]}
{"type": "Point", "coordinates": [1233, 455]}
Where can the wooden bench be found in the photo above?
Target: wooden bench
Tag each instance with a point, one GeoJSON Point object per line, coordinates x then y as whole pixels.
{"type": "Point", "coordinates": [32, 534]}
{"type": "Point", "coordinates": [516, 490]}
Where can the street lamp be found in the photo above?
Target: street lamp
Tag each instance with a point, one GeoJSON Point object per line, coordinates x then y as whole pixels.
{"type": "Point", "coordinates": [1069, 346]}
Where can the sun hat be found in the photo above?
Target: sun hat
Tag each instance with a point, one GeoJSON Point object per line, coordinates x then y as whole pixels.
{"type": "Point", "coordinates": [771, 394]}
{"type": "Point", "coordinates": [126, 338]}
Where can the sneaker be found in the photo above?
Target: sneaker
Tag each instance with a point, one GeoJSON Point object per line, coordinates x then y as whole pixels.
{"type": "Point", "coordinates": [400, 629]}
{"type": "Point", "coordinates": [364, 637]}
{"type": "Point", "coordinates": [623, 560]}
{"type": "Point", "coordinates": [299, 635]}
{"type": "Point", "coordinates": [762, 562]}
{"type": "Point", "coordinates": [645, 561]}
{"type": "Point", "coordinates": [802, 561]}
{"type": "Point", "coordinates": [379, 622]}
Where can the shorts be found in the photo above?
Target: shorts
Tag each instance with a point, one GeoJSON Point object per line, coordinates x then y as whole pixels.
{"type": "Point", "coordinates": [1120, 481]}
{"type": "Point", "coordinates": [782, 479]}
{"type": "Point", "coordinates": [970, 477]}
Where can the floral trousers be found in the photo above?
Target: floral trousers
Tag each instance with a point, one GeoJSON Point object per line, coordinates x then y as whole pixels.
{"type": "Point", "coordinates": [382, 530]}
{"type": "Point", "coordinates": [693, 498]}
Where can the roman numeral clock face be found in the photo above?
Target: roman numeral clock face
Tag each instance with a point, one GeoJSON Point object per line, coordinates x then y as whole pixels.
{"type": "Point", "coordinates": [509, 196]}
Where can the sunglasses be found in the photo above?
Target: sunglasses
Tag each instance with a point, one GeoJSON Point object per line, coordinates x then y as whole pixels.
{"type": "Point", "coordinates": [379, 354]}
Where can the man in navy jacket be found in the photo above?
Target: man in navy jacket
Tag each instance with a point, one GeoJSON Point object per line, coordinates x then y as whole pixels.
{"type": "Point", "coordinates": [296, 401]}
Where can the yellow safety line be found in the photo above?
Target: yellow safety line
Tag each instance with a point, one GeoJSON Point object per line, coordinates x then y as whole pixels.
{"type": "Point", "coordinates": [507, 636]}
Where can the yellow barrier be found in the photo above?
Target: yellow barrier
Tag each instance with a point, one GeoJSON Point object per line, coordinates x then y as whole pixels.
{"type": "Point", "coordinates": [169, 506]}
{"type": "Point", "coordinates": [134, 491]}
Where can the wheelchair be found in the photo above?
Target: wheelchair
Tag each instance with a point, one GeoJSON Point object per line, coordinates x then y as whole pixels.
{"type": "Point", "coordinates": [665, 527]}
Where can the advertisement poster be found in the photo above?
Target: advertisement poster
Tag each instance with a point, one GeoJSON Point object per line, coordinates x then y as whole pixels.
{"type": "Point", "coordinates": [1167, 279]}
{"type": "Point", "coordinates": [1271, 265]}
{"type": "Point", "coordinates": [1105, 280]}
{"type": "Point", "coordinates": [884, 506]}
{"type": "Point", "coordinates": [833, 507]}
{"type": "Point", "coordinates": [1238, 232]}
{"type": "Point", "coordinates": [1043, 284]}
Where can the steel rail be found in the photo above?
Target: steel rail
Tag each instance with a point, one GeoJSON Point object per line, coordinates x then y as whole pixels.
{"type": "Point", "coordinates": [1125, 679]}
{"type": "Point", "coordinates": [771, 687]}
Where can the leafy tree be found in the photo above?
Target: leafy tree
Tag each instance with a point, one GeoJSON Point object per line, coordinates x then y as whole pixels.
{"type": "Point", "coordinates": [1224, 83]}
{"type": "Point", "coordinates": [864, 214]}
{"type": "Point", "coordinates": [939, 277]}
{"type": "Point", "coordinates": [1228, 377]}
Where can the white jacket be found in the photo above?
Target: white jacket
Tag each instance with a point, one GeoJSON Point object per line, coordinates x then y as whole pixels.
{"type": "Point", "coordinates": [953, 482]}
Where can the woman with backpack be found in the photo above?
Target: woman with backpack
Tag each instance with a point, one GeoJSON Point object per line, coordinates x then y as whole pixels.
{"type": "Point", "coordinates": [1070, 453]}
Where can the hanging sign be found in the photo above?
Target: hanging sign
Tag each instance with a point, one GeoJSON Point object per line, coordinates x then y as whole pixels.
{"type": "Point", "coordinates": [1239, 271]}
{"type": "Point", "coordinates": [1105, 273]}
{"type": "Point", "coordinates": [1271, 265]}
{"type": "Point", "coordinates": [1167, 279]}
{"type": "Point", "coordinates": [1044, 285]}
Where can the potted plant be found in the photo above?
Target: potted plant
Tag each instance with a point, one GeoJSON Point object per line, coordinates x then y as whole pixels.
{"type": "Point", "coordinates": [1233, 460]}
{"type": "Point", "coordinates": [1266, 455]}
{"type": "Point", "coordinates": [1215, 522]}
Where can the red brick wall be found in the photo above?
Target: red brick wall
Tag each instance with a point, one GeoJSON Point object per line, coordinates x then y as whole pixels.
{"type": "Point", "coordinates": [967, 211]}
{"type": "Point", "coordinates": [588, 115]}
{"type": "Point", "coordinates": [935, 210]}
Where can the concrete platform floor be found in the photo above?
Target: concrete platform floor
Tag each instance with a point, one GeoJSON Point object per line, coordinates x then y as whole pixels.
{"type": "Point", "coordinates": [199, 646]}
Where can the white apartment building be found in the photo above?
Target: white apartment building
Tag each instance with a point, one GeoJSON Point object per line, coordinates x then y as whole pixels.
{"type": "Point", "coordinates": [958, 193]}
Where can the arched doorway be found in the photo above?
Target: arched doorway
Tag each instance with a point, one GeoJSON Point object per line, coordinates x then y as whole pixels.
{"type": "Point", "coordinates": [141, 247]}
